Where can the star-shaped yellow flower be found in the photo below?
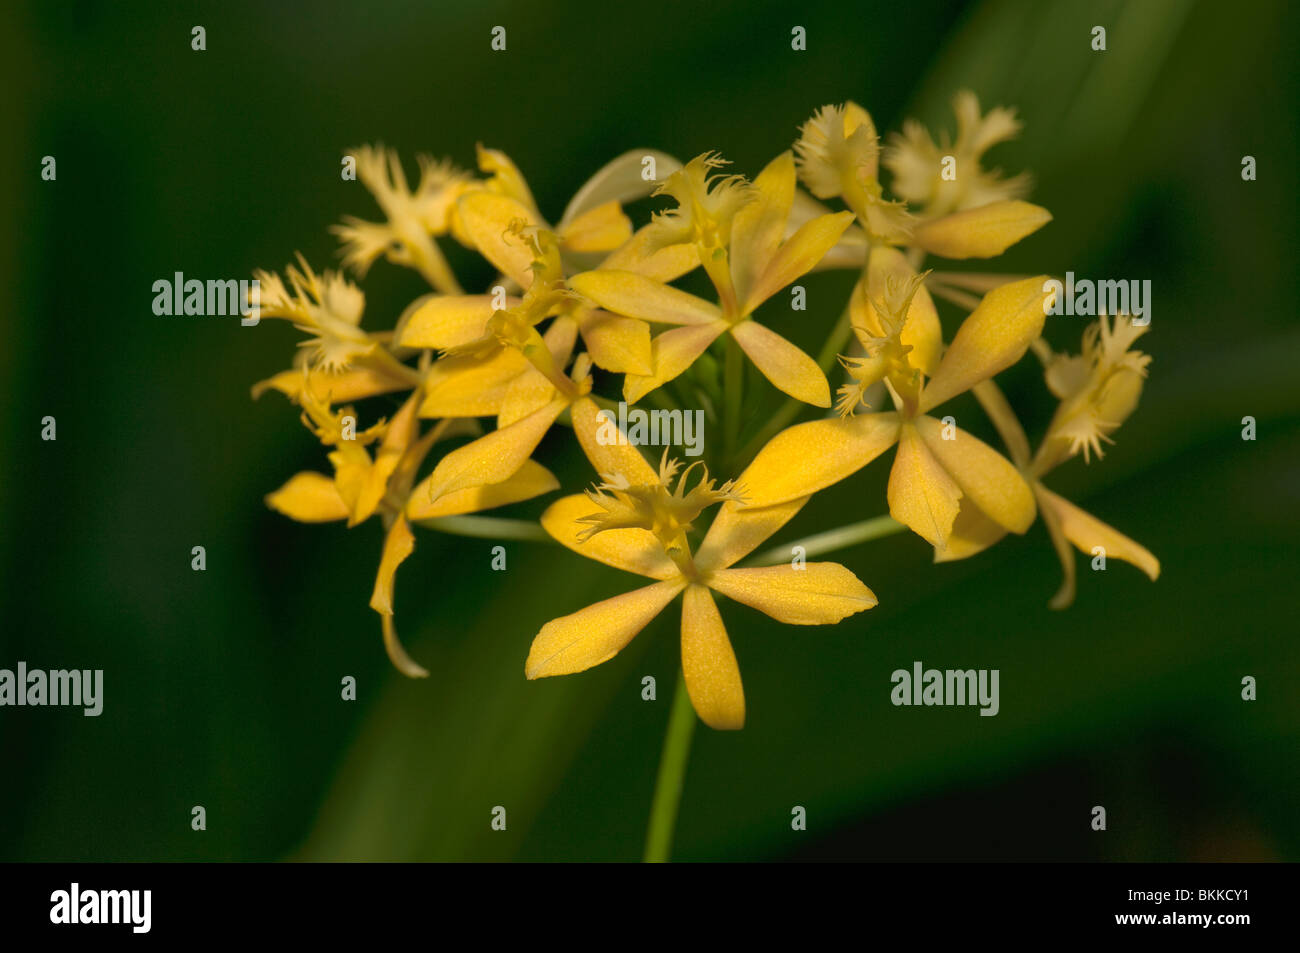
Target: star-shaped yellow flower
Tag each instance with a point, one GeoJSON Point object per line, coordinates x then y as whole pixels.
{"type": "Point", "coordinates": [840, 156]}
{"type": "Point", "coordinates": [737, 229]}
{"type": "Point", "coordinates": [938, 470]}
{"type": "Point", "coordinates": [531, 400]}
{"type": "Point", "coordinates": [1098, 390]}
{"type": "Point", "coordinates": [414, 218]}
{"type": "Point", "coordinates": [638, 523]}
{"type": "Point", "coordinates": [917, 162]}
{"type": "Point", "coordinates": [501, 222]}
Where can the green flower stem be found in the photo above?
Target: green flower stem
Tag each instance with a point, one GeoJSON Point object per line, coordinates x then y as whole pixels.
{"type": "Point", "coordinates": [672, 772]}
{"type": "Point", "coordinates": [487, 527]}
{"type": "Point", "coordinates": [839, 538]}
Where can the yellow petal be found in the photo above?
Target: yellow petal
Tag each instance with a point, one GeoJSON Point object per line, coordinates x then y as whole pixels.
{"type": "Point", "coordinates": [809, 457]}
{"type": "Point", "coordinates": [607, 454]}
{"type": "Point", "coordinates": [506, 177]}
{"type": "Point", "coordinates": [621, 179]}
{"type": "Point", "coordinates": [1086, 532]}
{"type": "Point", "coordinates": [921, 493]}
{"type": "Point", "coordinates": [530, 480]}
{"type": "Point", "coordinates": [602, 228]}
{"type": "Point", "coordinates": [980, 232]}
{"type": "Point", "coordinates": [632, 550]}
{"type": "Point", "coordinates": [402, 430]}
{"type": "Point", "coordinates": [849, 252]}
{"type": "Point", "coordinates": [450, 320]}
{"type": "Point", "coordinates": [352, 477]}
{"type": "Point", "coordinates": [465, 386]}
{"type": "Point", "coordinates": [789, 369]}
{"type": "Point", "coordinates": [636, 296]}
{"type": "Point", "coordinates": [664, 264]}
{"type": "Point", "coordinates": [364, 483]}
{"type": "Point", "coordinates": [487, 219]}
{"type": "Point", "coordinates": [709, 663]}
{"type": "Point", "coordinates": [759, 226]}
{"type": "Point", "coordinates": [356, 383]}
{"type": "Point", "coordinates": [574, 643]}
{"type": "Point", "coordinates": [1064, 596]}
{"type": "Point", "coordinates": [309, 498]}
{"type": "Point", "coordinates": [922, 331]}
{"type": "Point", "coordinates": [528, 392]}
{"type": "Point", "coordinates": [818, 594]}
{"type": "Point", "coordinates": [505, 383]}
{"type": "Point", "coordinates": [972, 533]}
{"type": "Point", "coordinates": [801, 251]}
{"type": "Point", "coordinates": [495, 456]}
{"type": "Point", "coordinates": [736, 532]}
{"type": "Point", "coordinates": [988, 478]}
{"type": "Point", "coordinates": [560, 338]}
{"type": "Point", "coordinates": [671, 353]}
{"type": "Point", "coordinates": [398, 544]}
{"type": "Point", "coordinates": [854, 118]}
{"type": "Point", "coordinates": [617, 344]}
{"type": "Point", "coordinates": [991, 339]}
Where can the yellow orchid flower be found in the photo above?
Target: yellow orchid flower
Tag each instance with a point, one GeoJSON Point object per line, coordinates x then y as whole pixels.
{"type": "Point", "coordinates": [1098, 390]}
{"type": "Point", "coordinates": [636, 521]}
{"type": "Point", "coordinates": [839, 155]}
{"type": "Point", "coordinates": [533, 404]}
{"type": "Point", "coordinates": [340, 362]}
{"type": "Point", "coordinates": [968, 212]}
{"type": "Point", "coordinates": [917, 162]}
{"type": "Point", "coordinates": [485, 216]}
{"type": "Point", "coordinates": [474, 384]}
{"type": "Point", "coordinates": [888, 274]}
{"type": "Point", "coordinates": [527, 398]}
{"type": "Point", "coordinates": [935, 467]}
{"type": "Point", "coordinates": [475, 327]}
{"type": "Point", "coordinates": [736, 229]}
{"type": "Point", "coordinates": [363, 486]}
{"type": "Point", "coordinates": [327, 306]}
{"type": "Point", "coordinates": [414, 218]}
{"type": "Point", "coordinates": [975, 215]}
{"type": "Point", "coordinates": [368, 377]}
{"type": "Point", "coordinates": [502, 222]}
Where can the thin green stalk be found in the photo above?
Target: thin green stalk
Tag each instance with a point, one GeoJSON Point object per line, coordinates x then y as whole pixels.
{"type": "Point", "coordinates": [672, 772]}
{"type": "Point", "coordinates": [487, 527]}
{"type": "Point", "coordinates": [839, 538]}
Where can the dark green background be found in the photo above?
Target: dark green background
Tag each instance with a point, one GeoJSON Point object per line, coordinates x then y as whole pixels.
{"type": "Point", "coordinates": [222, 688]}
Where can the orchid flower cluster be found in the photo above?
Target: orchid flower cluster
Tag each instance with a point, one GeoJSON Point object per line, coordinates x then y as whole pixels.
{"type": "Point", "coordinates": [589, 298]}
